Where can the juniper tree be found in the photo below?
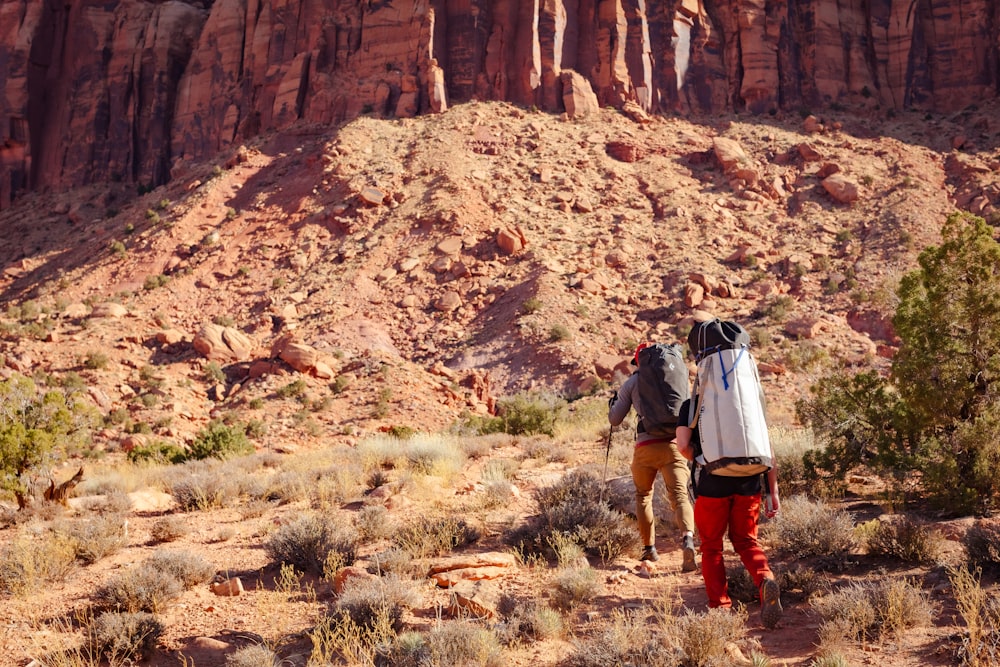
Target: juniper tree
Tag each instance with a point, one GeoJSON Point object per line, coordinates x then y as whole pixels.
{"type": "Point", "coordinates": [938, 411]}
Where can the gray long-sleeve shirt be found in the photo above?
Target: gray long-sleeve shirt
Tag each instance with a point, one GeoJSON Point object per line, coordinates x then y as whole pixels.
{"type": "Point", "coordinates": [628, 398]}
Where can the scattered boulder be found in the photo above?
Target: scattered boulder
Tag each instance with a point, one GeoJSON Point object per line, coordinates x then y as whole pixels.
{"type": "Point", "coordinates": [729, 153]}
{"type": "Point", "coordinates": [448, 302]}
{"type": "Point", "coordinates": [225, 344]}
{"type": "Point", "coordinates": [476, 598]}
{"type": "Point", "coordinates": [841, 188]}
{"type": "Point", "coordinates": [578, 95]}
{"type": "Point", "coordinates": [109, 310]}
{"type": "Point", "coordinates": [228, 587]}
{"type": "Point", "coordinates": [510, 240]}
{"type": "Point", "coordinates": [372, 196]}
{"type": "Point", "coordinates": [625, 151]}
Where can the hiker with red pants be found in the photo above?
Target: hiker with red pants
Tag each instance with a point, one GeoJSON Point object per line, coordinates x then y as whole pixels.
{"type": "Point", "coordinates": [656, 391]}
{"type": "Point", "coordinates": [721, 428]}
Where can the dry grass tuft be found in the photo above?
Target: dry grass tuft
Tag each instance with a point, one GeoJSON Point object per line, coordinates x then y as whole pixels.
{"type": "Point", "coordinates": [30, 561]}
{"type": "Point", "coordinates": [980, 643]}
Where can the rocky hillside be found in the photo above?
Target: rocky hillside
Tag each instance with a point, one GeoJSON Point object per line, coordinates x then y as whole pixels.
{"type": "Point", "coordinates": [411, 272]}
{"type": "Point", "coordinates": [138, 91]}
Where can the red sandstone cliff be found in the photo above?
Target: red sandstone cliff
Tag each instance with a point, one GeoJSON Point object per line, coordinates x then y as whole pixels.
{"type": "Point", "coordinates": [128, 89]}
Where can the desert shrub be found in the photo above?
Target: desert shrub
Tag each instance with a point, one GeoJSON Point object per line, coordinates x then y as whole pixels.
{"type": "Point", "coordinates": [254, 655]}
{"type": "Point", "coordinates": [702, 637]}
{"type": "Point", "coordinates": [800, 582]}
{"type": "Point", "coordinates": [527, 620]}
{"type": "Point", "coordinates": [123, 637]}
{"type": "Point", "coordinates": [811, 528]}
{"type": "Point", "coordinates": [434, 536]}
{"type": "Point", "coordinates": [293, 389]}
{"type": "Point", "coordinates": [741, 586]}
{"type": "Point", "coordinates": [159, 451]}
{"type": "Point", "coordinates": [394, 561]}
{"type": "Point", "coordinates": [937, 412]}
{"type": "Point", "coordinates": [202, 488]}
{"type": "Point", "coordinates": [625, 640]}
{"type": "Point", "coordinates": [982, 543]}
{"type": "Point", "coordinates": [572, 586]}
{"type": "Point", "coordinates": [522, 414]}
{"type": "Point", "coordinates": [139, 589]}
{"type": "Point", "coordinates": [220, 440]}
{"type": "Point", "coordinates": [188, 568]}
{"type": "Point", "coordinates": [875, 609]}
{"type": "Point", "coordinates": [370, 601]}
{"type": "Point", "coordinates": [531, 305]}
{"type": "Point", "coordinates": [559, 332]}
{"type": "Point", "coordinates": [573, 507]}
{"type": "Point", "coordinates": [29, 561]}
{"type": "Point", "coordinates": [980, 639]}
{"type": "Point", "coordinates": [313, 544]}
{"type": "Point", "coordinates": [169, 528]}
{"type": "Point", "coordinates": [372, 523]}
{"type": "Point", "coordinates": [95, 360]}
{"type": "Point", "coordinates": [902, 538]}
{"type": "Point", "coordinates": [463, 643]}
{"type": "Point", "coordinates": [95, 538]}
{"type": "Point", "coordinates": [790, 447]}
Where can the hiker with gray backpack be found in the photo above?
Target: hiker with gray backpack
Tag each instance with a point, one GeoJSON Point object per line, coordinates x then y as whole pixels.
{"type": "Point", "coordinates": [655, 391]}
{"type": "Point", "coordinates": [722, 428]}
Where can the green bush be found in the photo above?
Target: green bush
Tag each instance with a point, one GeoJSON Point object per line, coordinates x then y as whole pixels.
{"type": "Point", "coordinates": [158, 452]}
{"type": "Point", "coordinates": [139, 589]}
{"type": "Point", "coordinates": [222, 441]}
{"type": "Point", "coordinates": [522, 414]}
{"type": "Point", "coordinates": [938, 411]}
{"type": "Point", "coordinates": [35, 426]}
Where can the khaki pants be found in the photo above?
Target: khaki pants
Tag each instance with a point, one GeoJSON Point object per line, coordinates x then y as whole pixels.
{"type": "Point", "coordinates": [664, 458]}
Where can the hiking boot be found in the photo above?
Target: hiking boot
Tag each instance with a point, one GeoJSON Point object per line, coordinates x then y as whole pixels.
{"type": "Point", "coordinates": [649, 553]}
{"type": "Point", "coordinates": [770, 603]}
{"type": "Point", "coordinates": [687, 547]}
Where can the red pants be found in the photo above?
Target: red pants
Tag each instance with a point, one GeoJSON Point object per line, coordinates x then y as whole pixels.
{"type": "Point", "coordinates": [738, 514]}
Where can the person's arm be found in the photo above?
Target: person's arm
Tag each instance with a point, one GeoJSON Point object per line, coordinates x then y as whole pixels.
{"type": "Point", "coordinates": [621, 403]}
{"type": "Point", "coordinates": [684, 442]}
{"type": "Point", "coordinates": [772, 483]}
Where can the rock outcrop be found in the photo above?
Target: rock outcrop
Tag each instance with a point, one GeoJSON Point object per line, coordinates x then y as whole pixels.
{"type": "Point", "coordinates": [129, 90]}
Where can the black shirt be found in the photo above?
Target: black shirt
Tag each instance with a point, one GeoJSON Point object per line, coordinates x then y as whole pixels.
{"type": "Point", "coordinates": [717, 486]}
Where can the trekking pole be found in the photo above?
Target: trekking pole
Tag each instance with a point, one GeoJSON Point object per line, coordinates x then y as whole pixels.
{"type": "Point", "coordinates": [607, 455]}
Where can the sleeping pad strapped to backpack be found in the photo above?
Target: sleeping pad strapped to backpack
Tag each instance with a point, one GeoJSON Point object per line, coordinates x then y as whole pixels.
{"type": "Point", "coordinates": [663, 386]}
{"type": "Point", "coordinates": [728, 403]}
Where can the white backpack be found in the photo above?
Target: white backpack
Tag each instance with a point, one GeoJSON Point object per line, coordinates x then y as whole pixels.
{"type": "Point", "coordinates": [728, 409]}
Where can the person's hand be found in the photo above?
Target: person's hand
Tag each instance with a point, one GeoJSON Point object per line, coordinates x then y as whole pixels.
{"type": "Point", "coordinates": [773, 506]}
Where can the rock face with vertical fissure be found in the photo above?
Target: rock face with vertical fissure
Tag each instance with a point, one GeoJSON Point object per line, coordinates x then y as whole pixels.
{"type": "Point", "coordinates": [131, 90]}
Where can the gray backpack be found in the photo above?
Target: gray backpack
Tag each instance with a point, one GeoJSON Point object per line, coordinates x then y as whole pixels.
{"type": "Point", "coordinates": [663, 386]}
